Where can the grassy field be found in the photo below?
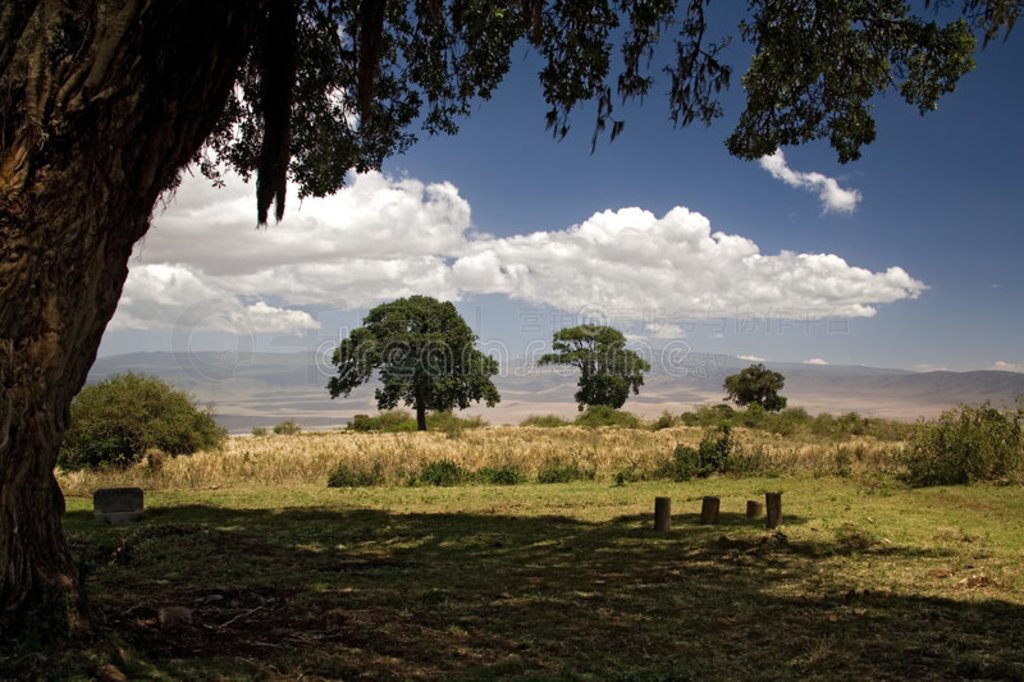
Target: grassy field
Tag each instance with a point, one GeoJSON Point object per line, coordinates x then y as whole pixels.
{"type": "Point", "coordinates": [307, 458]}
{"type": "Point", "coordinates": [286, 579]}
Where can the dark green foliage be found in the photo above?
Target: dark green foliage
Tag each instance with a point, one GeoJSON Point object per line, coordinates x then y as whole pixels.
{"type": "Point", "coordinates": [714, 450]}
{"type": "Point", "coordinates": [813, 74]}
{"type": "Point", "coordinates": [504, 475]}
{"type": "Point", "coordinates": [453, 426]}
{"type": "Point", "coordinates": [756, 384]}
{"type": "Point", "coordinates": [259, 430]}
{"type": "Point", "coordinates": [544, 421]}
{"type": "Point", "coordinates": [424, 355]}
{"type": "Point", "coordinates": [806, 57]}
{"type": "Point", "coordinates": [786, 422]}
{"type": "Point", "coordinates": [444, 473]}
{"type": "Point", "coordinates": [753, 416]}
{"type": "Point", "coordinates": [343, 476]}
{"type": "Point", "coordinates": [556, 470]}
{"type": "Point", "coordinates": [608, 370]}
{"type": "Point", "coordinates": [682, 466]}
{"type": "Point", "coordinates": [602, 415]}
{"type": "Point", "coordinates": [397, 421]}
{"type": "Point", "coordinates": [966, 445]}
{"type": "Point", "coordinates": [287, 428]}
{"type": "Point", "coordinates": [392, 422]}
{"type": "Point", "coordinates": [665, 421]}
{"type": "Point", "coordinates": [114, 422]}
{"type": "Point", "coordinates": [709, 457]}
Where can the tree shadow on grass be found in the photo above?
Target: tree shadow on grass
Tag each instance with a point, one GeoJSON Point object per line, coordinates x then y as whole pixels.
{"type": "Point", "coordinates": [330, 594]}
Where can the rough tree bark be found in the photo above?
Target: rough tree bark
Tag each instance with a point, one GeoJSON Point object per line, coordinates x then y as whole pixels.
{"type": "Point", "coordinates": [101, 104]}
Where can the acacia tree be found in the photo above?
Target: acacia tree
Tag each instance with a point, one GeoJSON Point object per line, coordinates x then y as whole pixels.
{"type": "Point", "coordinates": [756, 385]}
{"type": "Point", "coordinates": [424, 354]}
{"type": "Point", "coordinates": [608, 370]}
{"type": "Point", "coordinates": [103, 103]}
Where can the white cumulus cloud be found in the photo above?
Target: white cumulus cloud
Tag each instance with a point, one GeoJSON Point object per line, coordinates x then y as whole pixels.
{"type": "Point", "coordinates": [815, 361]}
{"type": "Point", "coordinates": [1003, 366]}
{"type": "Point", "coordinates": [381, 238]}
{"type": "Point", "coordinates": [750, 358]}
{"type": "Point", "coordinates": [833, 197]}
{"type": "Point", "coordinates": [665, 330]}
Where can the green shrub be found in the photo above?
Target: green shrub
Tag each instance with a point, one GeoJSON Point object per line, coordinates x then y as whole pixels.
{"type": "Point", "coordinates": [114, 422]}
{"type": "Point", "coordinates": [547, 421]}
{"type": "Point", "coordinates": [665, 421]}
{"type": "Point", "coordinates": [393, 421]}
{"type": "Point", "coordinates": [343, 476]}
{"type": "Point", "coordinates": [752, 416]}
{"type": "Point", "coordinates": [714, 450]}
{"type": "Point", "coordinates": [287, 428]}
{"type": "Point", "coordinates": [453, 426]}
{"type": "Point", "coordinates": [689, 419]}
{"type": "Point", "coordinates": [682, 466]}
{"type": "Point", "coordinates": [443, 473]}
{"type": "Point", "coordinates": [259, 430]}
{"type": "Point", "coordinates": [504, 475]}
{"type": "Point", "coordinates": [602, 415]}
{"type": "Point", "coordinates": [556, 470]}
{"type": "Point", "coordinates": [786, 422]}
{"type": "Point", "coordinates": [709, 457]}
{"type": "Point", "coordinates": [966, 445]}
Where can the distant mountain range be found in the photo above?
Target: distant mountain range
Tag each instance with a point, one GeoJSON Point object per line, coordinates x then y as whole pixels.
{"type": "Point", "coordinates": [263, 389]}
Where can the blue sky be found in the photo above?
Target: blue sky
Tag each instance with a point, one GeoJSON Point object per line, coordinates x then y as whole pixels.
{"type": "Point", "coordinates": [915, 263]}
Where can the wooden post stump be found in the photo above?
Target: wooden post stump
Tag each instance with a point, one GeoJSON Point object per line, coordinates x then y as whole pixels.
{"type": "Point", "coordinates": [662, 513]}
{"type": "Point", "coordinates": [773, 502]}
{"type": "Point", "coordinates": [709, 510]}
{"type": "Point", "coordinates": [754, 509]}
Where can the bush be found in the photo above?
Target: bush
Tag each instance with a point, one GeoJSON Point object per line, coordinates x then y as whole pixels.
{"type": "Point", "coordinates": [714, 450]}
{"type": "Point", "coordinates": [665, 421]}
{"type": "Point", "coordinates": [393, 421]}
{"type": "Point", "coordinates": [966, 445]}
{"type": "Point", "coordinates": [259, 430]}
{"type": "Point", "coordinates": [344, 477]}
{"type": "Point", "coordinates": [753, 416]}
{"type": "Point", "coordinates": [682, 466]}
{"type": "Point", "coordinates": [505, 475]}
{"type": "Point", "coordinates": [556, 470]}
{"type": "Point", "coordinates": [287, 428]}
{"type": "Point", "coordinates": [444, 473]}
{"type": "Point", "coordinates": [709, 457]}
{"type": "Point", "coordinates": [453, 426]}
{"type": "Point", "coordinates": [114, 422]}
{"type": "Point", "coordinates": [547, 421]}
{"type": "Point", "coordinates": [602, 415]}
{"type": "Point", "coordinates": [786, 422]}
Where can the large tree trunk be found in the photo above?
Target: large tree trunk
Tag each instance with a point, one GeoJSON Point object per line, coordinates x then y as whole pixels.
{"type": "Point", "coordinates": [101, 104]}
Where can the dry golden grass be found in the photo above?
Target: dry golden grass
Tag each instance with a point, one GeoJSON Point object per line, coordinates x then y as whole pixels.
{"type": "Point", "coordinates": [308, 457]}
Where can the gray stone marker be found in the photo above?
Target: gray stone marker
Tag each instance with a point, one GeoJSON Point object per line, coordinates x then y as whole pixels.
{"type": "Point", "coordinates": [117, 505]}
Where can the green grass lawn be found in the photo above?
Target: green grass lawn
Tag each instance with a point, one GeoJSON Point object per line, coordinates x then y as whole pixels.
{"type": "Point", "coordinates": [562, 581]}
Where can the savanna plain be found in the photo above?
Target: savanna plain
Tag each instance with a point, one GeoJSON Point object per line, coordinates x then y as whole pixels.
{"type": "Point", "coordinates": [530, 553]}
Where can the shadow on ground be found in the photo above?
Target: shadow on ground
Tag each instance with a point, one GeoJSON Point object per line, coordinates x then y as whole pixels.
{"type": "Point", "coordinates": [327, 594]}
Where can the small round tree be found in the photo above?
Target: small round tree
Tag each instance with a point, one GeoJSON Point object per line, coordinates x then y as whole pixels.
{"type": "Point", "coordinates": [756, 385]}
{"type": "Point", "coordinates": [608, 370]}
{"type": "Point", "coordinates": [114, 422]}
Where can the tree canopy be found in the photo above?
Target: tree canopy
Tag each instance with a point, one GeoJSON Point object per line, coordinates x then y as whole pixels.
{"type": "Point", "coordinates": [608, 370]}
{"type": "Point", "coordinates": [424, 354]}
{"type": "Point", "coordinates": [333, 86]}
{"type": "Point", "coordinates": [756, 385]}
